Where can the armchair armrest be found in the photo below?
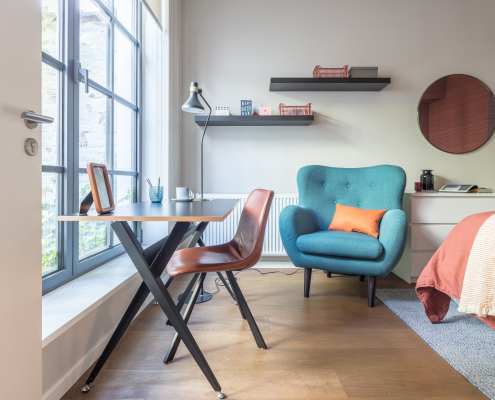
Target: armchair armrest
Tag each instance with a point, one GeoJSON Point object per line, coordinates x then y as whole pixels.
{"type": "Point", "coordinates": [295, 221]}
{"type": "Point", "coordinates": [393, 235]}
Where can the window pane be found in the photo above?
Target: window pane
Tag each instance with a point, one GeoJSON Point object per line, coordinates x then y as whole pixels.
{"type": "Point", "coordinates": [93, 236]}
{"type": "Point", "coordinates": [124, 148]}
{"type": "Point", "coordinates": [94, 135]}
{"type": "Point", "coordinates": [94, 42]}
{"type": "Point", "coordinates": [125, 60]}
{"type": "Point", "coordinates": [49, 106]}
{"type": "Point", "coordinates": [49, 232]}
{"type": "Point", "coordinates": [49, 27]}
{"type": "Point", "coordinates": [125, 11]}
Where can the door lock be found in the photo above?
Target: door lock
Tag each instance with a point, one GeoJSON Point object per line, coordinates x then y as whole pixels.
{"type": "Point", "coordinates": [31, 146]}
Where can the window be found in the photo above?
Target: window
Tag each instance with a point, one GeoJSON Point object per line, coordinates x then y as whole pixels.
{"type": "Point", "coordinates": [100, 124]}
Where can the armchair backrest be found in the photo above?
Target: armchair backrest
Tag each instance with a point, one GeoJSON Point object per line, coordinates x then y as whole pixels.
{"type": "Point", "coordinates": [372, 188]}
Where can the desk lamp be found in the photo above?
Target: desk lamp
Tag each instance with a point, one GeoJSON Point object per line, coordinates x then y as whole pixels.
{"type": "Point", "coordinates": [193, 105]}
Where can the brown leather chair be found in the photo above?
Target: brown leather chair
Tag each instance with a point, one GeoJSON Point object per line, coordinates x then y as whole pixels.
{"type": "Point", "coordinates": [242, 252]}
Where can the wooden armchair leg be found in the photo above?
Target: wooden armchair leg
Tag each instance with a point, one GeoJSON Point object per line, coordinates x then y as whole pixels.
{"type": "Point", "coordinates": [371, 290]}
{"type": "Point", "coordinates": [361, 278]}
{"type": "Point", "coordinates": [307, 281]}
{"type": "Point", "coordinates": [329, 274]}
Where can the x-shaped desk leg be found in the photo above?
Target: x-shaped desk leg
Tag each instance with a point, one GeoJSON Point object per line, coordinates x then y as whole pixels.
{"type": "Point", "coordinates": [155, 284]}
{"type": "Point", "coordinates": [163, 248]}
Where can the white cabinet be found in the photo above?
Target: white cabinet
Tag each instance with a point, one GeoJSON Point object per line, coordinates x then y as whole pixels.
{"type": "Point", "coordinates": [434, 215]}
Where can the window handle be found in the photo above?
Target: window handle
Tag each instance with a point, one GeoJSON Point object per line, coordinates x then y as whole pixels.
{"type": "Point", "coordinates": [81, 75]}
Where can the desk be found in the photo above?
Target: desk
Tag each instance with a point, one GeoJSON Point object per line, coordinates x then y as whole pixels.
{"type": "Point", "coordinates": [151, 263]}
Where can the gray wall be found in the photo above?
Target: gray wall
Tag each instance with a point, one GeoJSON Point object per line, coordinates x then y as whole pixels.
{"type": "Point", "coordinates": [233, 48]}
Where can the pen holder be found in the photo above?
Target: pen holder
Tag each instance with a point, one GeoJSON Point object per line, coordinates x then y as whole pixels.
{"type": "Point", "coordinates": [156, 194]}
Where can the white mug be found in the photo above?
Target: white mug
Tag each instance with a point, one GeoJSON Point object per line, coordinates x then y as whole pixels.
{"type": "Point", "coordinates": [183, 193]}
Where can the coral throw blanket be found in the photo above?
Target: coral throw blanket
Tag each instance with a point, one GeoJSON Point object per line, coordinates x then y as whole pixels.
{"type": "Point", "coordinates": [464, 268]}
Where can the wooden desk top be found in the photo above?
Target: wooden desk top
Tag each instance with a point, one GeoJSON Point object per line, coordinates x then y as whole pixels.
{"type": "Point", "coordinates": [196, 211]}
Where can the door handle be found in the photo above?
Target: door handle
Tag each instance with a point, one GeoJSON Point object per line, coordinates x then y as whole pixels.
{"type": "Point", "coordinates": [81, 75]}
{"type": "Point", "coordinates": [31, 119]}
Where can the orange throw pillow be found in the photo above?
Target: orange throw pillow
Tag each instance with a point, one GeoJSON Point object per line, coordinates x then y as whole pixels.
{"type": "Point", "coordinates": [352, 219]}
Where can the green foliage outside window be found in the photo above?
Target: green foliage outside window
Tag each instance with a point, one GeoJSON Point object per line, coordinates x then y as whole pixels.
{"type": "Point", "coordinates": [91, 235]}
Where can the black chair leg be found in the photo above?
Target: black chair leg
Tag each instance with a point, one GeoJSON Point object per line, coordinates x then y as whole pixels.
{"type": "Point", "coordinates": [307, 281]}
{"type": "Point", "coordinates": [371, 290]}
{"type": "Point", "coordinates": [361, 278]}
{"type": "Point", "coordinates": [250, 319]}
{"type": "Point", "coordinates": [329, 274]}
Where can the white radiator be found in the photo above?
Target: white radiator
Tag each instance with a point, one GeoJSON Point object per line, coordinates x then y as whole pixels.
{"type": "Point", "coordinates": [223, 232]}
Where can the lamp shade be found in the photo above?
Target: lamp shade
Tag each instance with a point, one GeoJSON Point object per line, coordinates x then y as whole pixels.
{"type": "Point", "coordinates": [193, 105]}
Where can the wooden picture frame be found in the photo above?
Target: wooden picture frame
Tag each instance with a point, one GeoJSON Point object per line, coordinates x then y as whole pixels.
{"type": "Point", "coordinates": [100, 187]}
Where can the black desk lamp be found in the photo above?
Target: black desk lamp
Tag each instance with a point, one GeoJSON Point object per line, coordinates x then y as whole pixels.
{"type": "Point", "coordinates": [193, 105]}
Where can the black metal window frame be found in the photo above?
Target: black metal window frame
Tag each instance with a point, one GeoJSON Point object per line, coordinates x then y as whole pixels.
{"type": "Point", "coordinates": [68, 170]}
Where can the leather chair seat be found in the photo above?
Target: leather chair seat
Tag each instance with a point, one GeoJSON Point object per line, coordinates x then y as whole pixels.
{"type": "Point", "coordinates": [340, 244]}
{"type": "Point", "coordinates": [223, 257]}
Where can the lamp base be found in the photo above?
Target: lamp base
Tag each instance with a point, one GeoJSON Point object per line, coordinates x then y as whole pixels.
{"type": "Point", "coordinates": [202, 298]}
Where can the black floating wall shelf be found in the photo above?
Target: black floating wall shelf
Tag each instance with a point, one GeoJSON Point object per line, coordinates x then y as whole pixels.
{"type": "Point", "coordinates": [328, 84]}
{"type": "Point", "coordinates": [255, 120]}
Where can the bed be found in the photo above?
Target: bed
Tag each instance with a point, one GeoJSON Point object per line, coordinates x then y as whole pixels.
{"type": "Point", "coordinates": [444, 275]}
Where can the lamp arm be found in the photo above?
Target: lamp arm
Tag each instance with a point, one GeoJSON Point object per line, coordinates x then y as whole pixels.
{"type": "Point", "coordinates": [202, 139]}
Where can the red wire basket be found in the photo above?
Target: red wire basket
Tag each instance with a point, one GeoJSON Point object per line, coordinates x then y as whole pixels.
{"type": "Point", "coordinates": [320, 72]}
{"type": "Point", "coordinates": [294, 110]}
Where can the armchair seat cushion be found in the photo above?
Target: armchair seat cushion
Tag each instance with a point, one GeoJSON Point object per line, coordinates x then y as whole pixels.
{"type": "Point", "coordinates": [341, 244]}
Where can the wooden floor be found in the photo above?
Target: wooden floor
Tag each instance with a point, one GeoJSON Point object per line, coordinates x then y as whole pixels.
{"type": "Point", "coordinates": [329, 346]}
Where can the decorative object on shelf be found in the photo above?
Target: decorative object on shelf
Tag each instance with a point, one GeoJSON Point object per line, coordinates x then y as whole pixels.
{"type": "Point", "coordinates": [456, 114]}
{"type": "Point", "coordinates": [363, 72]}
{"type": "Point", "coordinates": [101, 190]}
{"type": "Point", "coordinates": [265, 111]}
{"type": "Point", "coordinates": [256, 109]}
{"type": "Point", "coordinates": [222, 111]}
{"type": "Point", "coordinates": [427, 179]}
{"type": "Point", "coordinates": [320, 72]}
{"type": "Point", "coordinates": [246, 107]}
{"type": "Point", "coordinates": [294, 110]}
{"type": "Point", "coordinates": [193, 105]}
{"type": "Point", "coordinates": [418, 186]}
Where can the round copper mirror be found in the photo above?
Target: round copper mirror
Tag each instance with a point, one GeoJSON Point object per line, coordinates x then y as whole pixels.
{"type": "Point", "coordinates": [457, 113]}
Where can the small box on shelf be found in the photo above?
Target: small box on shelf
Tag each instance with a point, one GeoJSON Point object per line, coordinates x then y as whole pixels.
{"type": "Point", "coordinates": [363, 72]}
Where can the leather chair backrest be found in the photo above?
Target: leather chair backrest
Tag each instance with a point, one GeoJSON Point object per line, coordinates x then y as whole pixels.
{"type": "Point", "coordinates": [248, 240]}
{"type": "Point", "coordinates": [372, 188]}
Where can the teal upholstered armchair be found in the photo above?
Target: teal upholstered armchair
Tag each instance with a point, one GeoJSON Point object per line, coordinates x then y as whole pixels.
{"type": "Point", "coordinates": [304, 227]}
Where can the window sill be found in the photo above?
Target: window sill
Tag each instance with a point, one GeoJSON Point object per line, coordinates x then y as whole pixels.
{"type": "Point", "coordinates": [65, 306]}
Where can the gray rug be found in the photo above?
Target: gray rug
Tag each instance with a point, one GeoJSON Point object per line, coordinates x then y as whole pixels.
{"type": "Point", "coordinates": [462, 340]}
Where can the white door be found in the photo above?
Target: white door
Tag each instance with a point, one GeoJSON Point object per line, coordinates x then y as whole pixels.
{"type": "Point", "coordinates": [20, 203]}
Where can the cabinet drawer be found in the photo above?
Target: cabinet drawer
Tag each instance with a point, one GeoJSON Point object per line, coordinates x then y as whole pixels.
{"type": "Point", "coordinates": [419, 262]}
{"type": "Point", "coordinates": [445, 210]}
{"type": "Point", "coordinates": [429, 237]}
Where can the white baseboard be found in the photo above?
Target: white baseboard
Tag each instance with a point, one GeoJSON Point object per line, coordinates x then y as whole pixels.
{"type": "Point", "coordinates": [58, 390]}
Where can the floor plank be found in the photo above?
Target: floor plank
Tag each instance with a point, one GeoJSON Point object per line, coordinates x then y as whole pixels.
{"type": "Point", "coordinates": [328, 346]}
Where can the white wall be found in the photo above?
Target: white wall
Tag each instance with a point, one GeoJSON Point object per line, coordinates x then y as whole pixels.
{"type": "Point", "coordinates": [233, 48]}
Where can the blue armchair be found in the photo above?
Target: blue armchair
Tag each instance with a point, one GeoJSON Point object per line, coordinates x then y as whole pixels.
{"type": "Point", "coordinates": [304, 228]}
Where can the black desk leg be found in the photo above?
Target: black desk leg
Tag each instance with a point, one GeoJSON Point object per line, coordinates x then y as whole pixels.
{"type": "Point", "coordinates": [156, 286]}
{"type": "Point", "coordinates": [187, 314]}
{"type": "Point", "coordinates": [139, 298]}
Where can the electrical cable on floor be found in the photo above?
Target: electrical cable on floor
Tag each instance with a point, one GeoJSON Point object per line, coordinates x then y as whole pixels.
{"type": "Point", "coordinates": [218, 283]}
